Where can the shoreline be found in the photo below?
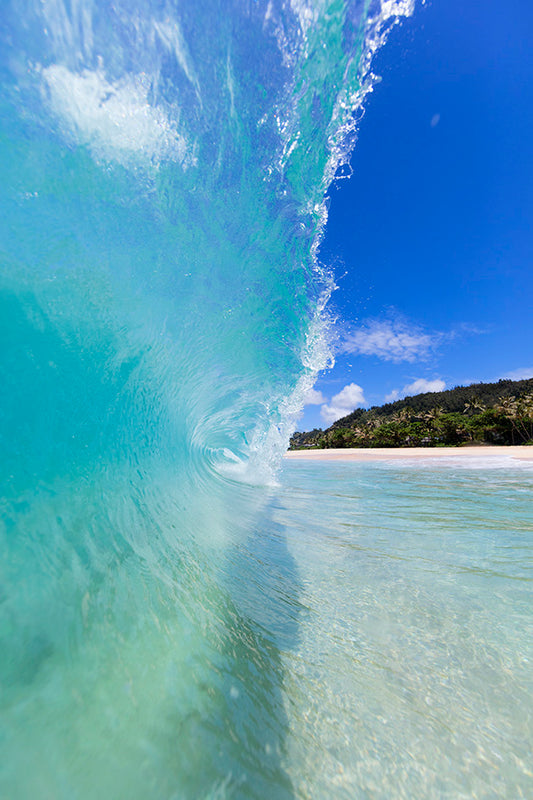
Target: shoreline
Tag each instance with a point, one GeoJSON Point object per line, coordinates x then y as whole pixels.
{"type": "Point", "coordinates": [520, 452]}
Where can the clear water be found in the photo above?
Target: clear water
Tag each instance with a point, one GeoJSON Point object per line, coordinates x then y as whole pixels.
{"type": "Point", "coordinates": [412, 672]}
{"type": "Point", "coordinates": [368, 634]}
{"type": "Point", "coordinates": [172, 625]}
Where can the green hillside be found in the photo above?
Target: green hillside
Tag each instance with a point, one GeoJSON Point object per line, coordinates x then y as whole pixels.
{"type": "Point", "coordinates": [492, 413]}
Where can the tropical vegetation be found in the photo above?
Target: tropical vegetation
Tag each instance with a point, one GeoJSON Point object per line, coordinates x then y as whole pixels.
{"type": "Point", "coordinates": [485, 413]}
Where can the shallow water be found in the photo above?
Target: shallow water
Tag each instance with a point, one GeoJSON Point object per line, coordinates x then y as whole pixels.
{"type": "Point", "coordinates": [412, 676]}
{"type": "Point", "coordinates": [365, 632]}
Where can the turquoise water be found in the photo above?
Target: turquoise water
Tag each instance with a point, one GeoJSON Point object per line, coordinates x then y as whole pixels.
{"type": "Point", "coordinates": [367, 634]}
{"type": "Point", "coordinates": [412, 673]}
{"type": "Point", "coordinates": [166, 630]}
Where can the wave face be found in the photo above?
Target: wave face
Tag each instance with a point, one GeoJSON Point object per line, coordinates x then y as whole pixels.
{"type": "Point", "coordinates": [163, 168]}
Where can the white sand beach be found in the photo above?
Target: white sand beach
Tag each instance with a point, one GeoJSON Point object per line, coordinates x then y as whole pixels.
{"type": "Point", "coordinates": [521, 452]}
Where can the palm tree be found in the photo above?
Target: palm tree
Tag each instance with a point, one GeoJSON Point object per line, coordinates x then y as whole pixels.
{"type": "Point", "coordinates": [474, 405]}
{"type": "Point", "coordinates": [508, 407]}
{"type": "Point", "coordinates": [434, 413]}
{"type": "Point", "coordinates": [523, 417]}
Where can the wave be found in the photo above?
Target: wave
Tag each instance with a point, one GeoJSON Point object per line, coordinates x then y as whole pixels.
{"type": "Point", "coordinates": [162, 306]}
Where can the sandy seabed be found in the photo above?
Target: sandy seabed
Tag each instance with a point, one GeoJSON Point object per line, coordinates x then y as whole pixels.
{"type": "Point", "coordinates": [521, 452]}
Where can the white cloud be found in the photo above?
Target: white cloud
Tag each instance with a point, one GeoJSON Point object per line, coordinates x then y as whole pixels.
{"type": "Point", "coordinates": [420, 386]}
{"type": "Point", "coordinates": [394, 395]}
{"type": "Point", "coordinates": [391, 340]}
{"type": "Point", "coordinates": [342, 403]}
{"type": "Point", "coordinates": [520, 374]}
{"type": "Point", "coordinates": [313, 398]}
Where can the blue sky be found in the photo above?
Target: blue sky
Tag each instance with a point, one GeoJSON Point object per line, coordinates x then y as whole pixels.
{"type": "Point", "coordinates": [431, 237]}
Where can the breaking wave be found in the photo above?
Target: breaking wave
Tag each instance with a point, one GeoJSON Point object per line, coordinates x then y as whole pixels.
{"type": "Point", "coordinates": [163, 170]}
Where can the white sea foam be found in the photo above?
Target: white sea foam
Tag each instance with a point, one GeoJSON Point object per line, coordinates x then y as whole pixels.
{"type": "Point", "coordinates": [116, 120]}
{"type": "Point", "coordinates": [306, 12]}
{"type": "Point", "coordinates": [268, 445]}
{"type": "Point", "coordinates": [481, 462]}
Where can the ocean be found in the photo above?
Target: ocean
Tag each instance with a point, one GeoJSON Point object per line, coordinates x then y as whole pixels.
{"type": "Point", "coordinates": [412, 672]}
{"type": "Point", "coordinates": [181, 616]}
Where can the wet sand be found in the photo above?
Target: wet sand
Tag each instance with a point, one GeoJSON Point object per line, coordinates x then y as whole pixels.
{"type": "Point", "coordinates": [521, 452]}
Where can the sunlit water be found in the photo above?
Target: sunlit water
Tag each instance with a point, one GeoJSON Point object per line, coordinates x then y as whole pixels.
{"type": "Point", "coordinates": [370, 635]}
{"type": "Point", "coordinates": [172, 623]}
{"type": "Point", "coordinates": [412, 674]}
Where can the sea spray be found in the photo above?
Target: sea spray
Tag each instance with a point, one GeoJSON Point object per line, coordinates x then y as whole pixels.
{"type": "Point", "coordinates": [163, 169]}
